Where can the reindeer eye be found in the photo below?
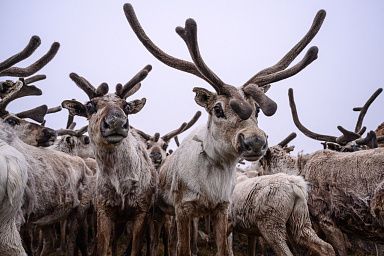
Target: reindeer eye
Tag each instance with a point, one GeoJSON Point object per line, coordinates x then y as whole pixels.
{"type": "Point", "coordinates": [127, 108]}
{"type": "Point", "coordinates": [12, 121]}
{"type": "Point", "coordinates": [165, 146]}
{"type": "Point", "coordinates": [86, 140]}
{"type": "Point", "coordinates": [257, 111]}
{"type": "Point", "coordinates": [218, 110]}
{"type": "Point", "coordinates": [91, 108]}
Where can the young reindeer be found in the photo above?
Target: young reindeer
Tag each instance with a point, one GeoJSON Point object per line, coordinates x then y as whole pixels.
{"type": "Point", "coordinates": [198, 178]}
{"type": "Point", "coordinates": [125, 175]}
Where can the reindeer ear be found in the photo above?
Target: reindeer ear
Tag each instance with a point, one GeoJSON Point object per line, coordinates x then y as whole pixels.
{"type": "Point", "coordinates": [204, 97]}
{"type": "Point", "coordinates": [75, 108]}
{"type": "Point", "coordinates": [134, 106]}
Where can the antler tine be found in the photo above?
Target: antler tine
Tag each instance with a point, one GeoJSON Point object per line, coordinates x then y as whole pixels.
{"type": "Point", "coordinates": [36, 114]}
{"type": "Point", "coordinates": [347, 136]}
{"type": "Point", "coordinates": [301, 127]}
{"type": "Point", "coordinates": [192, 121]}
{"type": "Point", "coordinates": [189, 35]}
{"type": "Point", "coordinates": [309, 57]}
{"type": "Point", "coordinates": [54, 109]}
{"type": "Point", "coordinates": [177, 141]}
{"type": "Point", "coordinates": [33, 44]}
{"type": "Point", "coordinates": [363, 110]}
{"type": "Point", "coordinates": [168, 60]}
{"type": "Point", "coordinates": [71, 126]}
{"type": "Point", "coordinates": [370, 140]}
{"type": "Point", "coordinates": [62, 132]}
{"type": "Point", "coordinates": [35, 78]}
{"type": "Point", "coordinates": [134, 89]}
{"type": "Point", "coordinates": [20, 90]}
{"type": "Point", "coordinates": [140, 76]}
{"type": "Point", "coordinates": [167, 137]}
{"type": "Point", "coordinates": [82, 130]}
{"type": "Point", "coordinates": [143, 134]}
{"type": "Point", "coordinates": [288, 139]}
{"type": "Point", "coordinates": [33, 68]}
{"type": "Point", "coordinates": [86, 86]}
{"type": "Point", "coordinates": [296, 50]}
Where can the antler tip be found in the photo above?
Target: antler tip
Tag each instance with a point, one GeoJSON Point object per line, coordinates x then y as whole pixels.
{"type": "Point", "coordinates": [148, 68]}
{"type": "Point", "coordinates": [35, 39]}
{"type": "Point", "coordinates": [128, 7]}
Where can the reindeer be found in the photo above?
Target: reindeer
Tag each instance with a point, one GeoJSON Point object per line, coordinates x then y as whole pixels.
{"type": "Point", "coordinates": [125, 174]}
{"type": "Point", "coordinates": [30, 133]}
{"type": "Point", "coordinates": [198, 178]}
{"type": "Point", "coordinates": [13, 179]}
{"type": "Point", "coordinates": [342, 185]}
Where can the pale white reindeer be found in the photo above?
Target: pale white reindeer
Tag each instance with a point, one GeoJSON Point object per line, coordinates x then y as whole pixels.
{"type": "Point", "coordinates": [198, 178]}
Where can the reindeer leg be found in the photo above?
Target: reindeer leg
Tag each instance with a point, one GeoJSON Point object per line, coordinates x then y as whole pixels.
{"type": "Point", "coordinates": [104, 230]}
{"type": "Point", "coordinates": [195, 230]}
{"type": "Point", "coordinates": [183, 224]}
{"type": "Point", "coordinates": [137, 231]}
{"type": "Point", "coordinates": [251, 245]}
{"type": "Point", "coordinates": [220, 225]}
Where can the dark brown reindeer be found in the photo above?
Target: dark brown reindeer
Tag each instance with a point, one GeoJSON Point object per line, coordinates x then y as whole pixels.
{"type": "Point", "coordinates": [125, 176]}
{"type": "Point", "coordinates": [30, 133]}
{"type": "Point", "coordinates": [197, 179]}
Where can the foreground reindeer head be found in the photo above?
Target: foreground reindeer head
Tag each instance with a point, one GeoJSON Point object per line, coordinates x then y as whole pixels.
{"type": "Point", "coordinates": [107, 113]}
{"type": "Point", "coordinates": [31, 133]}
{"type": "Point", "coordinates": [157, 146]}
{"type": "Point", "coordinates": [232, 111]}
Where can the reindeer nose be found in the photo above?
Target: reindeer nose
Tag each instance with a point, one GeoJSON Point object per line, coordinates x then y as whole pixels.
{"type": "Point", "coordinates": [50, 134]}
{"type": "Point", "coordinates": [252, 146]}
{"type": "Point", "coordinates": [156, 156]}
{"type": "Point", "coordinates": [115, 120]}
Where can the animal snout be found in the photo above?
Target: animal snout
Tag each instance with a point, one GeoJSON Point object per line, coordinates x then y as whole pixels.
{"type": "Point", "coordinates": [47, 138]}
{"type": "Point", "coordinates": [114, 127]}
{"type": "Point", "coordinates": [156, 157]}
{"type": "Point", "coordinates": [252, 147]}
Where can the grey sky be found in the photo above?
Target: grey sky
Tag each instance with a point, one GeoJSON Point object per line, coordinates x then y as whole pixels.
{"type": "Point", "coordinates": [236, 38]}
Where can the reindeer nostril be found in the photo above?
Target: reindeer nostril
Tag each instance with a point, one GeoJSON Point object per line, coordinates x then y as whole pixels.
{"type": "Point", "coordinates": [125, 126]}
{"type": "Point", "coordinates": [106, 125]}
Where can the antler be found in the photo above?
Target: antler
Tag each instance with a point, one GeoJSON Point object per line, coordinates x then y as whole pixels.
{"type": "Point", "coordinates": [19, 90]}
{"type": "Point", "coordinates": [88, 88]}
{"type": "Point", "coordinates": [6, 68]}
{"type": "Point", "coordinates": [285, 141]}
{"type": "Point", "coordinates": [168, 60]}
{"type": "Point", "coordinates": [132, 84]}
{"type": "Point", "coordinates": [370, 140]}
{"type": "Point", "coordinates": [182, 128]}
{"type": "Point", "coordinates": [36, 114]}
{"type": "Point", "coordinates": [167, 137]}
{"type": "Point", "coordinates": [301, 127]}
{"type": "Point", "coordinates": [71, 132]}
{"type": "Point", "coordinates": [363, 110]}
{"type": "Point", "coordinates": [277, 72]}
{"type": "Point", "coordinates": [54, 109]}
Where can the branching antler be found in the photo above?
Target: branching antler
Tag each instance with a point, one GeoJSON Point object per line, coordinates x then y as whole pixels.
{"type": "Point", "coordinates": [19, 90]}
{"type": "Point", "coordinates": [276, 73]}
{"type": "Point", "coordinates": [6, 68]}
{"type": "Point", "coordinates": [363, 110]}
{"type": "Point", "coordinates": [36, 114]}
{"type": "Point", "coordinates": [125, 91]}
{"type": "Point", "coordinates": [301, 127]}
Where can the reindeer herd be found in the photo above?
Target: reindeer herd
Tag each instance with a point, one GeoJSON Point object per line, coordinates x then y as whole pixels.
{"type": "Point", "coordinates": [65, 192]}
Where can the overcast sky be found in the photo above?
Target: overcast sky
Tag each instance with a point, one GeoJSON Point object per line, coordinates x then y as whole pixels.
{"type": "Point", "coordinates": [236, 38]}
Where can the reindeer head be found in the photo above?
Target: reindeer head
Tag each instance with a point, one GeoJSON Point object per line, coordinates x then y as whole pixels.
{"type": "Point", "coordinates": [232, 111]}
{"type": "Point", "coordinates": [107, 113]}
{"type": "Point", "coordinates": [31, 133]}
{"type": "Point", "coordinates": [157, 146]}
